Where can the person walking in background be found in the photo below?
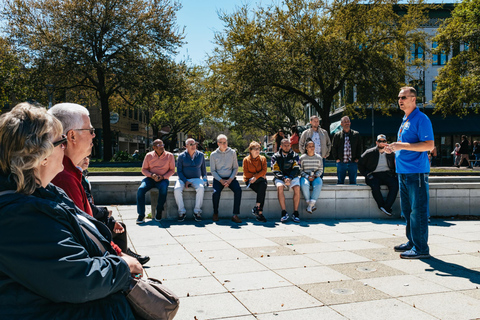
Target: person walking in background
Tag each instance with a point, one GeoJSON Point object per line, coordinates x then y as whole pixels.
{"type": "Point", "coordinates": [255, 177]}
{"type": "Point", "coordinates": [311, 169]}
{"type": "Point", "coordinates": [456, 155]}
{"type": "Point", "coordinates": [464, 151]}
{"type": "Point", "coordinates": [286, 170]}
{"type": "Point", "coordinates": [190, 169]}
{"type": "Point", "coordinates": [158, 166]}
{"type": "Point", "coordinates": [377, 165]}
{"type": "Point", "coordinates": [346, 150]}
{"type": "Point", "coordinates": [476, 153]}
{"type": "Point", "coordinates": [224, 168]}
{"type": "Point", "coordinates": [294, 139]}
{"type": "Point", "coordinates": [415, 138]}
{"type": "Point", "coordinates": [277, 137]}
{"type": "Point", "coordinates": [319, 136]}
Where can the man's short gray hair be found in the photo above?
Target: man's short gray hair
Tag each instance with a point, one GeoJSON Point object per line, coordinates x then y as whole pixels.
{"type": "Point", "coordinates": [69, 114]}
{"type": "Point", "coordinates": [221, 136]}
{"type": "Point", "coordinates": [186, 141]}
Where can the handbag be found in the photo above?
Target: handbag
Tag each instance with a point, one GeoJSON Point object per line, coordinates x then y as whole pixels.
{"type": "Point", "coordinates": [151, 300]}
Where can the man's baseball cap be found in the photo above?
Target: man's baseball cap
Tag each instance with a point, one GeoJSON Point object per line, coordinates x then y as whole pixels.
{"type": "Point", "coordinates": [381, 137]}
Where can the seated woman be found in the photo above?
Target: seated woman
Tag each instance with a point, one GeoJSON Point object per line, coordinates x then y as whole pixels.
{"type": "Point", "coordinates": [254, 175]}
{"type": "Point", "coordinates": [311, 169]}
{"type": "Point", "coordinates": [50, 264]}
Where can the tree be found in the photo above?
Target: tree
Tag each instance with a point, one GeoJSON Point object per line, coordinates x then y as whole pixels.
{"type": "Point", "coordinates": [102, 45]}
{"type": "Point", "coordinates": [313, 50]}
{"type": "Point", "coordinates": [458, 83]}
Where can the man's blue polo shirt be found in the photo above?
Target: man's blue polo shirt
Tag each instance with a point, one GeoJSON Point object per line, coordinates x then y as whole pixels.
{"type": "Point", "coordinates": [415, 128]}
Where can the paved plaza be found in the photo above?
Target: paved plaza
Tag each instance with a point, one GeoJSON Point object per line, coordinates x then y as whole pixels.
{"type": "Point", "coordinates": [318, 269]}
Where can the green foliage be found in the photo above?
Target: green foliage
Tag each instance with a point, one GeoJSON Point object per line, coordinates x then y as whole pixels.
{"type": "Point", "coordinates": [106, 47]}
{"type": "Point", "coordinates": [458, 83]}
{"type": "Point", "coordinates": [311, 50]}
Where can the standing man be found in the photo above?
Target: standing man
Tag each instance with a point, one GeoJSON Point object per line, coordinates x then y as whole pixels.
{"type": "Point", "coordinates": [415, 138]}
{"type": "Point", "coordinates": [224, 168]}
{"type": "Point", "coordinates": [158, 166]}
{"type": "Point", "coordinates": [319, 136]}
{"type": "Point", "coordinates": [346, 150]}
{"type": "Point", "coordinates": [190, 169]}
{"type": "Point", "coordinates": [76, 124]}
{"type": "Point", "coordinates": [377, 165]}
{"type": "Point", "coordinates": [286, 170]}
{"type": "Point", "coordinates": [464, 151]}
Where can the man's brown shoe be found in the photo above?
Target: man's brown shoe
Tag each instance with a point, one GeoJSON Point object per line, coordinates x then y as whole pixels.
{"type": "Point", "coordinates": [215, 217]}
{"type": "Point", "coordinates": [236, 219]}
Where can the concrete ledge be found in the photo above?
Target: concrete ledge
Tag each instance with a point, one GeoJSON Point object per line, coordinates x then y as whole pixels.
{"type": "Point", "coordinates": [336, 201]}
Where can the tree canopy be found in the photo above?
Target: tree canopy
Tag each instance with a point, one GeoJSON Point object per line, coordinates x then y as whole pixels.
{"type": "Point", "coordinates": [313, 50]}
{"type": "Point", "coordinates": [103, 45]}
{"type": "Point", "coordinates": [458, 83]}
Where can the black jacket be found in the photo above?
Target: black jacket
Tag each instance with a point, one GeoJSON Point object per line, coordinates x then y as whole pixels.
{"type": "Point", "coordinates": [285, 167]}
{"type": "Point", "coordinates": [339, 142]}
{"type": "Point", "coordinates": [369, 161]}
{"type": "Point", "coordinates": [99, 213]}
{"type": "Point", "coordinates": [49, 267]}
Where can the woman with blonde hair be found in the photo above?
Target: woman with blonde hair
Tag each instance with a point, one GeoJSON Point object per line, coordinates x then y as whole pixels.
{"type": "Point", "coordinates": [51, 263]}
{"type": "Point", "coordinates": [254, 175]}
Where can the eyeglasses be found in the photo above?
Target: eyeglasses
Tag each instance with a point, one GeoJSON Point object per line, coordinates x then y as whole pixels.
{"type": "Point", "coordinates": [404, 97]}
{"type": "Point", "coordinates": [92, 130]}
{"type": "Point", "coordinates": [158, 145]}
{"type": "Point", "coordinates": [256, 149]}
{"type": "Point", "coordinates": [191, 144]}
{"type": "Point", "coordinates": [222, 142]}
{"type": "Point", "coordinates": [382, 141]}
{"type": "Point", "coordinates": [62, 142]}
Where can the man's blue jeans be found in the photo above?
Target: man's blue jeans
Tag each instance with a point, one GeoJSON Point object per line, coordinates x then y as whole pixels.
{"type": "Point", "coordinates": [414, 203]}
{"type": "Point", "coordinates": [342, 168]}
{"type": "Point", "coordinates": [145, 186]}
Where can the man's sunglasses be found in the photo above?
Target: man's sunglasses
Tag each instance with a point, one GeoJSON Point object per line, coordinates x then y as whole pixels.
{"type": "Point", "coordinates": [61, 141]}
{"type": "Point", "coordinates": [382, 141]}
{"type": "Point", "coordinates": [404, 97]}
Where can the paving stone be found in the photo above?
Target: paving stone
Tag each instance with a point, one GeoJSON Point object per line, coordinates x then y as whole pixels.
{"type": "Point", "coordinates": [195, 286]}
{"type": "Point", "coordinates": [276, 299]}
{"type": "Point", "coordinates": [368, 235]}
{"type": "Point", "coordinates": [213, 255]}
{"type": "Point", "coordinates": [333, 237]}
{"type": "Point", "coordinates": [365, 270]}
{"type": "Point", "coordinates": [181, 271]}
{"type": "Point", "coordinates": [406, 285]}
{"type": "Point", "coordinates": [379, 254]}
{"type": "Point", "coordinates": [306, 313]}
{"type": "Point", "coordinates": [461, 246]}
{"type": "Point", "coordinates": [248, 243]}
{"type": "Point", "coordinates": [412, 266]}
{"type": "Point", "coordinates": [391, 309]}
{"type": "Point", "coordinates": [445, 306]}
{"type": "Point", "coordinates": [207, 246]}
{"type": "Point", "coordinates": [166, 259]}
{"type": "Point", "coordinates": [455, 279]}
{"type": "Point", "coordinates": [339, 292]}
{"type": "Point", "coordinates": [357, 245]}
{"type": "Point", "coordinates": [313, 247]}
{"type": "Point", "coordinates": [268, 251]}
{"type": "Point", "coordinates": [472, 293]}
{"type": "Point", "coordinates": [196, 238]}
{"type": "Point", "coordinates": [311, 275]}
{"type": "Point", "coordinates": [287, 262]}
{"type": "Point", "coordinates": [462, 260]}
{"type": "Point", "coordinates": [284, 241]}
{"type": "Point", "coordinates": [337, 257]}
{"type": "Point", "coordinates": [210, 307]}
{"type": "Point", "coordinates": [252, 280]}
{"type": "Point", "coordinates": [225, 267]}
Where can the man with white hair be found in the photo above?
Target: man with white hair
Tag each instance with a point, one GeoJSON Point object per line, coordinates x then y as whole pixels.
{"type": "Point", "coordinates": [80, 133]}
{"type": "Point", "coordinates": [190, 169]}
{"type": "Point", "coordinates": [224, 168]}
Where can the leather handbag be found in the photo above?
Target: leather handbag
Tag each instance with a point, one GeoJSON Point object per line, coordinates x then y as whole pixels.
{"type": "Point", "coordinates": [151, 300]}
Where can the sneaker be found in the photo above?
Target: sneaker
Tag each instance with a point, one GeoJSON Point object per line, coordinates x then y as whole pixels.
{"type": "Point", "coordinates": [140, 220]}
{"type": "Point", "coordinates": [236, 219]}
{"type": "Point", "coordinates": [402, 247]}
{"type": "Point", "coordinates": [158, 217]}
{"type": "Point", "coordinates": [295, 218]}
{"type": "Point", "coordinates": [314, 208]}
{"type": "Point", "coordinates": [181, 217]}
{"type": "Point", "coordinates": [309, 209]}
{"type": "Point", "coordinates": [385, 211]}
{"type": "Point", "coordinates": [261, 218]}
{"type": "Point", "coordinates": [255, 211]}
{"type": "Point", "coordinates": [215, 217]}
{"type": "Point", "coordinates": [410, 254]}
{"type": "Point", "coordinates": [312, 204]}
{"type": "Point", "coordinates": [284, 217]}
{"type": "Point", "coordinates": [197, 217]}
{"type": "Point", "coordinates": [141, 259]}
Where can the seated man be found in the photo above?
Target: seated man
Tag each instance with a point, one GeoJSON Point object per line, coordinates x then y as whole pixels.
{"type": "Point", "coordinates": [158, 166]}
{"type": "Point", "coordinates": [286, 170]}
{"type": "Point", "coordinates": [378, 167]}
{"type": "Point", "coordinates": [224, 168]}
{"type": "Point", "coordinates": [190, 169]}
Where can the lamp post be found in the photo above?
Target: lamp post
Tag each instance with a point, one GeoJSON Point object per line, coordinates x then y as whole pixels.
{"type": "Point", "coordinates": [50, 90]}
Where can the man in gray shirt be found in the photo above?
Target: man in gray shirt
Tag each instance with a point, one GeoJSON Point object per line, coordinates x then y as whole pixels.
{"type": "Point", "coordinates": [224, 168]}
{"type": "Point", "coordinates": [378, 167]}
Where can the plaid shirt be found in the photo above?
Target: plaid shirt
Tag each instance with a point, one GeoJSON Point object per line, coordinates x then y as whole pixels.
{"type": "Point", "coordinates": [347, 150]}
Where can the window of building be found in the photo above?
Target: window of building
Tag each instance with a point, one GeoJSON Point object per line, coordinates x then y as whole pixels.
{"type": "Point", "coordinates": [135, 114]}
{"type": "Point", "coordinates": [439, 59]}
{"type": "Point", "coordinates": [416, 52]}
{"type": "Point", "coordinates": [130, 113]}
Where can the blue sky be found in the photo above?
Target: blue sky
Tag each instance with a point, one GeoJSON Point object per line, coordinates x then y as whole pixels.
{"type": "Point", "coordinates": [201, 20]}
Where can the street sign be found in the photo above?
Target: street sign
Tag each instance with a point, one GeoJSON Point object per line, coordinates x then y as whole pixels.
{"type": "Point", "coordinates": [114, 117]}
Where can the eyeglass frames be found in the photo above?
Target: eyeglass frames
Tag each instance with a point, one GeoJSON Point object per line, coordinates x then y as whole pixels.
{"type": "Point", "coordinates": [92, 130]}
{"type": "Point", "coordinates": [62, 142]}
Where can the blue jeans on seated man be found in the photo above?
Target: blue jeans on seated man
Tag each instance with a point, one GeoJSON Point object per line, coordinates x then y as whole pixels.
{"type": "Point", "coordinates": [342, 168]}
{"type": "Point", "coordinates": [414, 199]}
{"type": "Point", "coordinates": [145, 186]}
{"type": "Point", "coordinates": [237, 195]}
{"type": "Point", "coordinates": [305, 186]}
